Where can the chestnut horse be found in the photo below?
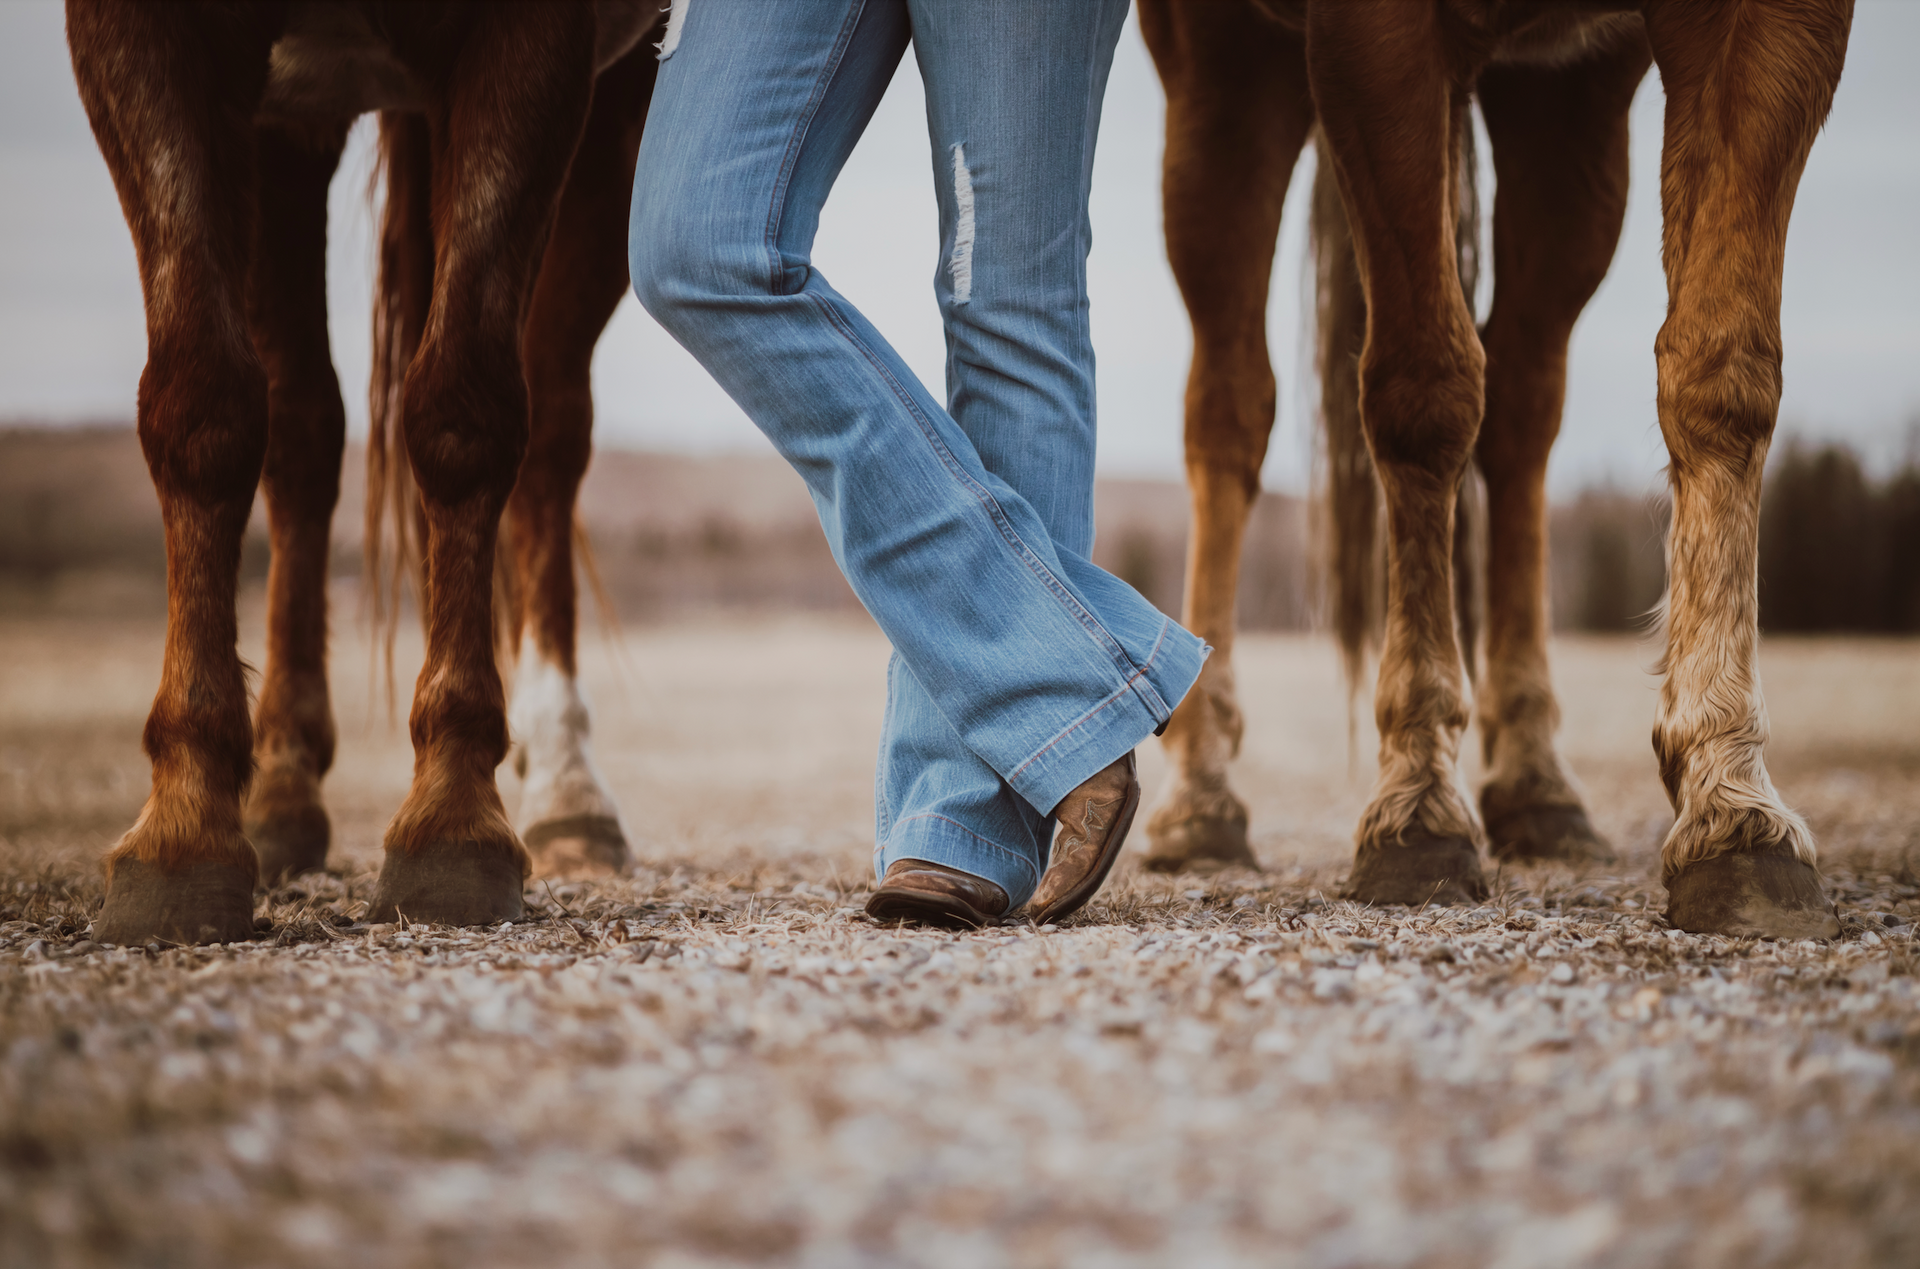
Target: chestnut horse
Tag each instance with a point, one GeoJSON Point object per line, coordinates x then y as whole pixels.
{"type": "Point", "coordinates": [1385, 87]}
{"type": "Point", "coordinates": [222, 126]}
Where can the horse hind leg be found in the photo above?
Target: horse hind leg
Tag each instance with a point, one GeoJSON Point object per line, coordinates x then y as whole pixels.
{"type": "Point", "coordinates": [169, 118]}
{"type": "Point", "coordinates": [1560, 155]}
{"type": "Point", "coordinates": [1390, 111]}
{"type": "Point", "coordinates": [1737, 861]}
{"type": "Point", "coordinates": [306, 430]}
{"type": "Point", "coordinates": [1238, 113]}
{"type": "Point", "coordinates": [568, 819]}
{"type": "Point", "coordinates": [501, 155]}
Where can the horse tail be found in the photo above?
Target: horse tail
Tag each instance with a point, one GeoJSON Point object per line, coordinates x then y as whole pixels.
{"type": "Point", "coordinates": [403, 293]}
{"type": "Point", "coordinates": [1470, 505]}
{"type": "Point", "coordinates": [1354, 567]}
{"type": "Point", "coordinates": [1356, 558]}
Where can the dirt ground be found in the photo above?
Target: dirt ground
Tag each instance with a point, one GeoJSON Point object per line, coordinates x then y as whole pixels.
{"type": "Point", "coordinates": [719, 1060]}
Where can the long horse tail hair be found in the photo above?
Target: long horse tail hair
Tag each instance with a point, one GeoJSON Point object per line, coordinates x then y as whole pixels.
{"type": "Point", "coordinates": [1355, 567]}
{"type": "Point", "coordinates": [396, 525]}
{"type": "Point", "coordinates": [1470, 504]}
{"type": "Point", "coordinates": [395, 539]}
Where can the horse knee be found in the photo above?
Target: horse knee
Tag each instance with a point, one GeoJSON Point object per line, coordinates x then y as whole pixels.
{"type": "Point", "coordinates": [467, 422]}
{"type": "Point", "coordinates": [203, 425]}
{"type": "Point", "coordinates": [1719, 390]}
{"type": "Point", "coordinates": [1231, 401]}
{"type": "Point", "coordinates": [1422, 414]}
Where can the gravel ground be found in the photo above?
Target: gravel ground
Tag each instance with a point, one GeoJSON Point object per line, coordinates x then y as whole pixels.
{"type": "Point", "coordinates": [719, 1060]}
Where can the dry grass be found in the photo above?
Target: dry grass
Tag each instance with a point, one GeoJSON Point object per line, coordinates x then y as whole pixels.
{"type": "Point", "coordinates": [719, 1060]}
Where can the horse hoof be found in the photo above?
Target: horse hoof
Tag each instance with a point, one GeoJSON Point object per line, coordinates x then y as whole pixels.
{"type": "Point", "coordinates": [1420, 870]}
{"type": "Point", "coordinates": [577, 846]}
{"type": "Point", "coordinates": [1546, 834]}
{"type": "Point", "coordinates": [450, 883]}
{"type": "Point", "coordinates": [1773, 896]}
{"type": "Point", "coordinates": [209, 901]}
{"type": "Point", "coordinates": [1175, 842]}
{"type": "Point", "coordinates": [290, 843]}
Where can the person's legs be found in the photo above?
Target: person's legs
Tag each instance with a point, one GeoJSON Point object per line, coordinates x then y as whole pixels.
{"type": "Point", "coordinates": [1014, 89]}
{"type": "Point", "coordinates": [1044, 668]}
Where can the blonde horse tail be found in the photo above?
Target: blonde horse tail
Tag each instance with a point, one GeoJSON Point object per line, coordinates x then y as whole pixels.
{"type": "Point", "coordinates": [403, 293]}
{"type": "Point", "coordinates": [1354, 568]}
{"type": "Point", "coordinates": [1470, 506]}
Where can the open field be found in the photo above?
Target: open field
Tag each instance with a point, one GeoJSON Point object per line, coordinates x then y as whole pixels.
{"type": "Point", "coordinates": [719, 1060]}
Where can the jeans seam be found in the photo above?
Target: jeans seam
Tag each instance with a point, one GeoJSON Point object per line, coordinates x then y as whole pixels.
{"type": "Point", "coordinates": [988, 842]}
{"type": "Point", "coordinates": [880, 767]}
{"type": "Point", "coordinates": [1108, 644]}
{"type": "Point", "coordinates": [797, 139]}
{"type": "Point", "coordinates": [1156, 707]}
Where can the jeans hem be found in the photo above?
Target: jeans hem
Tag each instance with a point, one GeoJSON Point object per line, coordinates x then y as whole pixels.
{"type": "Point", "coordinates": [1134, 711]}
{"type": "Point", "coordinates": [939, 840]}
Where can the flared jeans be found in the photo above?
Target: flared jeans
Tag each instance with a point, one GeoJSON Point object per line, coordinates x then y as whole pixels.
{"type": "Point", "coordinates": [1020, 669]}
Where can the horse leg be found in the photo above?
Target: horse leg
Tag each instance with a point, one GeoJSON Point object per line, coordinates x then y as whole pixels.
{"type": "Point", "coordinates": [293, 733]}
{"type": "Point", "coordinates": [568, 820]}
{"type": "Point", "coordinates": [1237, 114]}
{"type": "Point", "coordinates": [517, 101]}
{"type": "Point", "coordinates": [1747, 89]}
{"type": "Point", "coordinates": [1560, 155]}
{"type": "Point", "coordinates": [170, 114]}
{"type": "Point", "coordinates": [1392, 103]}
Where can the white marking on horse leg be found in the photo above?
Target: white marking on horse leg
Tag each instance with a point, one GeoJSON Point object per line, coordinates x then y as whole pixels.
{"type": "Point", "coordinates": [1711, 731]}
{"type": "Point", "coordinates": [676, 19]}
{"type": "Point", "coordinates": [962, 262]}
{"type": "Point", "coordinates": [551, 728]}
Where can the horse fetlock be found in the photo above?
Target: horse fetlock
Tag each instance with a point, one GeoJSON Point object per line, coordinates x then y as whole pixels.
{"type": "Point", "coordinates": [1198, 822]}
{"type": "Point", "coordinates": [1535, 816]}
{"type": "Point", "coordinates": [1747, 819]}
{"type": "Point", "coordinates": [1223, 707]}
{"type": "Point", "coordinates": [1419, 793]}
{"type": "Point", "coordinates": [568, 819]}
{"type": "Point", "coordinates": [286, 820]}
{"type": "Point", "coordinates": [1546, 834]}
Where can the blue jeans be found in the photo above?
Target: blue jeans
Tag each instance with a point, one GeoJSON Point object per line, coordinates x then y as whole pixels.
{"type": "Point", "coordinates": [1020, 669]}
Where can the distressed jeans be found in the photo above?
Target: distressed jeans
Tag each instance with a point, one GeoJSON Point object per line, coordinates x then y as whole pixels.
{"type": "Point", "coordinates": [1020, 669]}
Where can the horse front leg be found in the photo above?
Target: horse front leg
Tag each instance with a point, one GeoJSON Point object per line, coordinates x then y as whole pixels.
{"type": "Point", "coordinates": [502, 143]}
{"type": "Point", "coordinates": [568, 820]}
{"type": "Point", "coordinates": [1560, 155]}
{"type": "Point", "coordinates": [1747, 89]}
{"type": "Point", "coordinates": [1237, 115]}
{"type": "Point", "coordinates": [171, 120]}
{"type": "Point", "coordinates": [306, 432]}
{"type": "Point", "coordinates": [1391, 102]}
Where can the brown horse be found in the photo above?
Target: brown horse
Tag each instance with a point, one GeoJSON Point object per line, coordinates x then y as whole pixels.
{"type": "Point", "coordinates": [222, 125]}
{"type": "Point", "coordinates": [1386, 86]}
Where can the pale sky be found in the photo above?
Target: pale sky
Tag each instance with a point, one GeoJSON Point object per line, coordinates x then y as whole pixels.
{"type": "Point", "coordinates": [72, 339]}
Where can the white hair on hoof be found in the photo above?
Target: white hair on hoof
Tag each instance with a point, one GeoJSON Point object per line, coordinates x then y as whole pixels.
{"type": "Point", "coordinates": [568, 820]}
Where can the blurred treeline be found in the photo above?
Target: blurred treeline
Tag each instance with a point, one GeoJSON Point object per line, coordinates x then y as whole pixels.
{"type": "Point", "coordinates": [80, 533]}
{"type": "Point", "coordinates": [1839, 551]}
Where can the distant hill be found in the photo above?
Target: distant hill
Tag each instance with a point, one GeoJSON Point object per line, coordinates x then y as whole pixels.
{"type": "Point", "coordinates": [670, 533]}
{"type": "Point", "coordinates": [80, 531]}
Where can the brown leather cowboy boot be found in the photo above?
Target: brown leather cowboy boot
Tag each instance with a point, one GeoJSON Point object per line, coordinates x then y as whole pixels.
{"type": "Point", "coordinates": [1094, 820]}
{"type": "Point", "coordinates": [933, 894]}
